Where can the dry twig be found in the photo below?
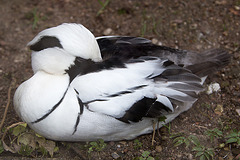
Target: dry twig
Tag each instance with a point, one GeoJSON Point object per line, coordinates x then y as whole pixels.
{"type": "Point", "coordinates": [8, 102]}
{"type": "Point", "coordinates": [154, 131]}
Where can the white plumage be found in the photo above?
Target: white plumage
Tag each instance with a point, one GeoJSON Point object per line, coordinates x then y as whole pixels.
{"type": "Point", "coordinates": [75, 95]}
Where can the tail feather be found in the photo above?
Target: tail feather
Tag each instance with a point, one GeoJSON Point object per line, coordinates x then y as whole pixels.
{"type": "Point", "coordinates": [210, 62]}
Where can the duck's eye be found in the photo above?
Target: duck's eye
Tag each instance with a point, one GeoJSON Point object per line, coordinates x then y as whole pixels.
{"type": "Point", "coordinates": [46, 42]}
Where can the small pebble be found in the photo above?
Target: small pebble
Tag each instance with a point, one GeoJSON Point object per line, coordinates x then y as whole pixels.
{"type": "Point", "coordinates": [219, 109]}
{"type": "Point", "coordinates": [193, 26]}
{"type": "Point", "coordinates": [107, 32]}
{"type": "Point", "coordinates": [125, 150]}
{"type": "Point", "coordinates": [226, 148]}
{"type": "Point", "coordinates": [199, 46]}
{"type": "Point", "coordinates": [213, 87]}
{"type": "Point", "coordinates": [238, 111]}
{"type": "Point", "coordinates": [160, 43]}
{"type": "Point", "coordinates": [123, 142]}
{"type": "Point", "coordinates": [221, 2]}
{"type": "Point", "coordinates": [159, 148]}
{"type": "Point", "coordinates": [17, 29]}
{"type": "Point", "coordinates": [236, 56]}
{"type": "Point", "coordinates": [237, 8]}
{"type": "Point", "coordinates": [19, 58]}
{"type": "Point", "coordinates": [220, 158]}
{"type": "Point", "coordinates": [115, 155]}
{"type": "Point", "coordinates": [190, 156]}
{"type": "Point", "coordinates": [179, 155]}
{"type": "Point", "coordinates": [154, 41]}
{"type": "Point", "coordinates": [165, 138]}
{"type": "Point", "coordinates": [221, 145]}
{"type": "Point", "coordinates": [111, 143]}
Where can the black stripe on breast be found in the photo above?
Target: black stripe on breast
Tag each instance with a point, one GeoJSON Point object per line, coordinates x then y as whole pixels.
{"type": "Point", "coordinates": [46, 42]}
{"type": "Point", "coordinates": [81, 105]}
{"type": "Point", "coordinates": [76, 124]}
{"type": "Point", "coordinates": [51, 110]}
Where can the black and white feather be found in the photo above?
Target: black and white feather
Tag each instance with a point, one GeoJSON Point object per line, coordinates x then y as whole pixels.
{"type": "Point", "coordinates": [111, 87]}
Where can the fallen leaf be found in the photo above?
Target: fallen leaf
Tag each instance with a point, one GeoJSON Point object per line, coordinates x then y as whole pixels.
{"type": "Point", "coordinates": [18, 130]}
{"type": "Point", "coordinates": [1, 147]}
{"type": "Point", "coordinates": [237, 13]}
{"type": "Point", "coordinates": [16, 147]}
{"type": "Point", "coordinates": [219, 109]}
{"type": "Point", "coordinates": [27, 139]}
{"type": "Point", "coordinates": [50, 146]}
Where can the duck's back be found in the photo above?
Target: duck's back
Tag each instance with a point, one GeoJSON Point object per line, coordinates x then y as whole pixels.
{"type": "Point", "coordinates": [201, 64]}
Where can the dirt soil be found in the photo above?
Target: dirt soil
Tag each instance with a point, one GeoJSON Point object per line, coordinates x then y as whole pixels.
{"type": "Point", "coordinates": [192, 25]}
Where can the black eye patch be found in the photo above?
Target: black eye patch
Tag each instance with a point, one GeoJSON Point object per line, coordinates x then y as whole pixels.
{"type": "Point", "coordinates": [46, 42]}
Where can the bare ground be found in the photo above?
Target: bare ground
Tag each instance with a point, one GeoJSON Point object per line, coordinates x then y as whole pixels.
{"type": "Point", "coordinates": [191, 25]}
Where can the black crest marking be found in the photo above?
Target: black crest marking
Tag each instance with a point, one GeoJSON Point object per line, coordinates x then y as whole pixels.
{"type": "Point", "coordinates": [46, 42]}
{"type": "Point", "coordinates": [51, 110]}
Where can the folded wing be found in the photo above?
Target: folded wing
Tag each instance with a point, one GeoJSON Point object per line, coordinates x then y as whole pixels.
{"type": "Point", "coordinates": [144, 87]}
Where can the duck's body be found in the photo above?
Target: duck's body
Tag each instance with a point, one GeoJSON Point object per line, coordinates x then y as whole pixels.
{"type": "Point", "coordinates": [74, 95]}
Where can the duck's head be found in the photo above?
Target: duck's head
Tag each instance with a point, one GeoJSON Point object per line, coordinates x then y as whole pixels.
{"type": "Point", "coordinates": [55, 49]}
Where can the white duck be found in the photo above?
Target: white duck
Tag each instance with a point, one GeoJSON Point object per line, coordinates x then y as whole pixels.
{"type": "Point", "coordinates": [75, 95]}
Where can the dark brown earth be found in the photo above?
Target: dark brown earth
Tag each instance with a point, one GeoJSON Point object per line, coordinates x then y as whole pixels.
{"type": "Point", "coordinates": [192, 25]}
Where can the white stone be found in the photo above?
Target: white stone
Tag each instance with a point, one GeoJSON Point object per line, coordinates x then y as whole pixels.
{"type": "Point", "coordinates": [107, 32]}
{"type": "Point", "coordinates": [213, 87]}
{"type": "Point", "coordinates": [154, 41]}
